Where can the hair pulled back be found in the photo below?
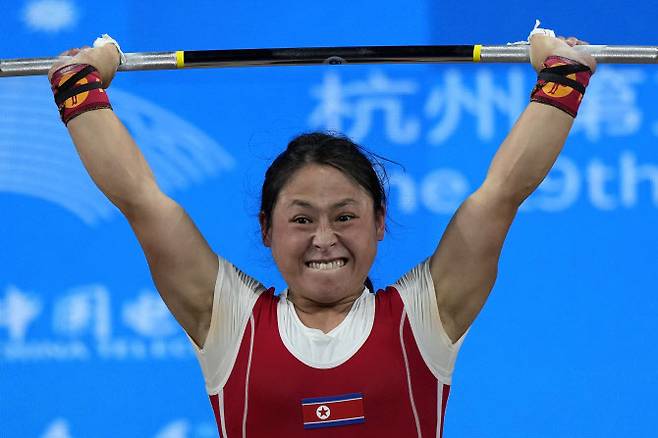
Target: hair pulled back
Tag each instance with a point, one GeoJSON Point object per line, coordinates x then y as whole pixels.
{"type": "Point", "coordinates": [326, 149]}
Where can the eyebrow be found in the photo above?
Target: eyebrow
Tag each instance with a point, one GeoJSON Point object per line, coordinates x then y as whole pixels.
{"type": "Point", "coordinates": [339, 204]}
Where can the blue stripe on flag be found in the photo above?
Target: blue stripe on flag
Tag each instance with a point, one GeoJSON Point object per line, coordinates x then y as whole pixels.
{"type": "Point", "coordinates": [334, 423]}
{"type": "Point", "coordinates": [332, 398]}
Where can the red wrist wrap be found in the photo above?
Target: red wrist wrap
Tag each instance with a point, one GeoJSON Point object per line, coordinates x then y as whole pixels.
{"type": "Point", "coordinates": [78, 89]}
{"type": "Point", "coordinates": [561, 84]}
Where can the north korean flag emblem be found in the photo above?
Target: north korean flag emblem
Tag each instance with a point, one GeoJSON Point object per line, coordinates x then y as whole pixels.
{"type": "Point", "coordinates": [337, 410]}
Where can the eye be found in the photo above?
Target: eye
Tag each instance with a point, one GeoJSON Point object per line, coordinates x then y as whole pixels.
{"type": "Point", "coordinates": [301, 220]}
{"type": "Point", "coordinates": [345, 217]}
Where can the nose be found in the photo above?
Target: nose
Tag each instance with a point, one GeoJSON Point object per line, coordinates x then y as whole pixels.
{"type": "Point", "coordinates": [324, 237]}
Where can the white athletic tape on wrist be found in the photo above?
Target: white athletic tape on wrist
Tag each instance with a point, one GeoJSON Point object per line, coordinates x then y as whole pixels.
{"type": "Point", "coordinates": [535, 31]}
{"type": "Point", "coordinates": [104, 40]}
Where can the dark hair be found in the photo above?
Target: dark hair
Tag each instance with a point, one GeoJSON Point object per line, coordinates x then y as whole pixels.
{"type": "Point", "coordinates": [326, 149]}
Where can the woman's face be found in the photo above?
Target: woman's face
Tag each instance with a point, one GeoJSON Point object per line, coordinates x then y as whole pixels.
{"type": "Point", "coordinates": [324, 234]}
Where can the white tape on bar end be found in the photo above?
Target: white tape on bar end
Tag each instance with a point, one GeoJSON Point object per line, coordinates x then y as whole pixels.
{"type": "Point", "coordinates": [535, 30]}
{"type": "Point", "coordinates": [538, 30]}
{"type": "Point", "coordinates": [104, 40]}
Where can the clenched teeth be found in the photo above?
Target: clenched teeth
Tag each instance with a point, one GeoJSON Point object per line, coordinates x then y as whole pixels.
{"type": "Point", "coordinates": [324, 266]}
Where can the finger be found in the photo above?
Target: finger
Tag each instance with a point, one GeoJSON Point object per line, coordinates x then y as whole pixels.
{"type": "Point", "coordinates": [576, 41]}
{"type": "Point", "coordinates": [572, 41]}
{"type": "Point", "coordinates": [566, 40]}
{"type": "Point", "coordinates": [63, 59]}
{"type": "Point", "coordinates": [70, 52]}
{"type": "Point", "coordinates": [61, 62]}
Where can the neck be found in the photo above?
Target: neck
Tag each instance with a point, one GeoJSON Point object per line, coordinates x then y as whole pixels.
{"type": "Point", "coordinates": [322, 316]}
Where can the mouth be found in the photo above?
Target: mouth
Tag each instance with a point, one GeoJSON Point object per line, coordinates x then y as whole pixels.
{"type": "Point", "coordinates": [326, 265]}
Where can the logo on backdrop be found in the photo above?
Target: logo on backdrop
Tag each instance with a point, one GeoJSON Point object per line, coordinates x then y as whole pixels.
{"type": "Point", "coordinates": [180, 428]}
{"type": "Point", "coordinates": [492, 102]}
{"type": "Point", "coordinates": [50, 16]}
{"type": "Point", "coordinates": [457, 99]}
{"type": "Point", "coordinates": [38, 158]}
{"type": "Point", "coordinates": [84, 323]}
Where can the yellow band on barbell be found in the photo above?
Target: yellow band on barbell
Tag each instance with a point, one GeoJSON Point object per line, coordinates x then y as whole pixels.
{"type": "Point", "coordinates": [477, 51]}
{"type": "Point", "coordinates": [180, 59]}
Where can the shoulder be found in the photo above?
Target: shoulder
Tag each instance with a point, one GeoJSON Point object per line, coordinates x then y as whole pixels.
{"type": "Point", "coordinates": [417, 278]}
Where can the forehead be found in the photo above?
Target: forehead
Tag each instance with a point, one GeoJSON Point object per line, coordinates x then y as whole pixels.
{"type": "Point", "coordinates": [321, 186]}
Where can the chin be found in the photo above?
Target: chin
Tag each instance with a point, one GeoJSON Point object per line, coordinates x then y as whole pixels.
{"type": "Point", "coordinates": [326, 292]}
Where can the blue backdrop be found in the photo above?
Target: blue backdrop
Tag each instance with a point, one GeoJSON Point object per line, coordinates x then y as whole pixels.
{"type": "Point", "coordinates": [565, 346]}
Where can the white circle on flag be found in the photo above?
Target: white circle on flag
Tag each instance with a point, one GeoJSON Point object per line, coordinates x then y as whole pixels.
{"type": "Point", "coordinates": [323, 412]}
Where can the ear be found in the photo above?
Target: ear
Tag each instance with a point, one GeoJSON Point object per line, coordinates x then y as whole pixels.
{"type": "Point", "coordinates": [380, 222]}
{"type": "Point", "coordinates": [264, 230]}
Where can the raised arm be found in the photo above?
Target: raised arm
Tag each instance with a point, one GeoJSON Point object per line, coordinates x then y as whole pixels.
{"type": "Point", "coordinates": [182, 264]}
{"type": "Point", "coordinates": [465, 263]}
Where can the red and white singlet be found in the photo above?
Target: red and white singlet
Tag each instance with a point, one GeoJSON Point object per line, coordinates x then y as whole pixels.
{"type": "Point", "coordinates": [384, 371]}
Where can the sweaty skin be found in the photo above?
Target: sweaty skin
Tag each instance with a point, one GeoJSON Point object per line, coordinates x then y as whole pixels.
{"type": "Point", "coordinates": [322, 215]}
{"type": "Point", "coordinates": [184, 267]}
{"type": "Point", "coordinates": [465, 263]}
